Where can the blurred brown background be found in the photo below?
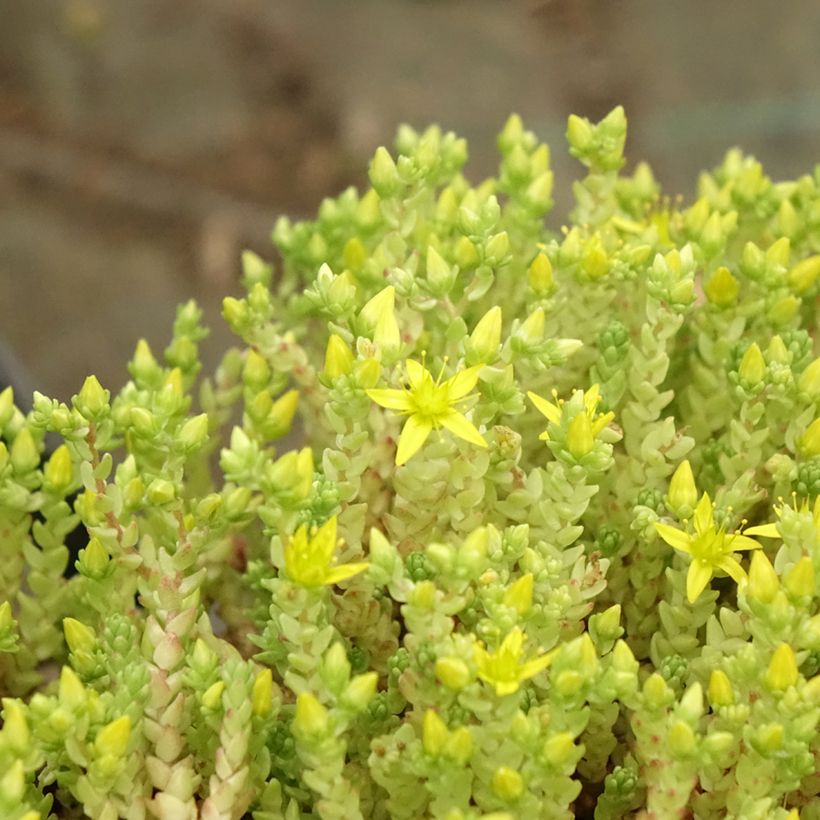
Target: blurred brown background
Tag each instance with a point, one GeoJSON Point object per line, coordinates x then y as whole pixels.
{"type": "Point", "coordinates": [144, 143]}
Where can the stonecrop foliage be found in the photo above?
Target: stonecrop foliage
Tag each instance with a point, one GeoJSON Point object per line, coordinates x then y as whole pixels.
{"type": "Point", "coordinates": [478, 519]}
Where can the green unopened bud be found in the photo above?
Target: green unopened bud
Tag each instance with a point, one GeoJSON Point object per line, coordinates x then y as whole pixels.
{"type": "Point", "coordinates": [338, 358]}
{"type": "Point", "coordinates": [336, 667]}
{"type": "Point", "coordinates": [24, 455]}
{"type": "Point", "coordinates": [161, 491]}
{"type": "Point", "coordinates": [656, 692]}
{"type": "Point", "coordinates": [15, 727]}
{"type": "Point", "coordinates": [59, 470]}
{"type": "Point", "coordinates": [539, 192]}
{"type": "Point", "coordinates": [763, 582]}
{"type": "Point", "coordinates": [691, 704]}
{"type": "Point", "coordinates": [236, 312]}
{"type": "Point", "coordinates": [6, 617]}
{"type": "Point", "coordinates": [440, 275]}
{"type": "Point", "coordinates": [720, 689]}
{"type": "Point", "coordinates": [722, 289]}
{"type": "Point", "coordinates": [383, 302]}
{"type": "Point", "coordinates": [79, 637]}
{"type": "Point", "coordinates": [4, 455]}
{"type": "Point", "coordinates": [769, 738]}
{"type": "Point", "coordinates": [311, 717]}
{"type": "Point", "coordinates": [452, 672]}
{"type": "Point", "coordinates": [511, 134]}
{"type": "Point", "coordinates": [262, 693]}
{"type": "Point", "coordinates": [804, 274]}
{"type": "Point", "coordinates": [560, 750]}
{"type": "Point", "coordinates": [94, 559]}
{"type": "Point", "coordinates": [623, 659]}
{"type": "Point", "coordinates": [486, 337]}
{"type": "Point", "coordinates": [579, 134]}
{"type": "Point", "coordinates": [360, 691]}
{"type": "Point", "coordinates": [809, 441]}
{"type": "Point", "coordinates": [434, 733]}
{"type": "Point", "coordinates": [384, 175]}
{"type": "Point", "coordinates": [255, 270]}
{"type": "Point", "coordinates": [144, 366]}
{"type": "Point", "coordinates": [683, 494]}
{"type": "Point", "coordinates": [608, 623]}
{"type": "Point", "coordinates": [539, 274]}
{"type": "Point", "coordinates": [809, 381]}
{"type": "Point", "coordinates": [799, 580]}
{"type": "Point", "coordinates": [142, 421]}
{"type": "Point", "coordinates": [580, 440]}
{"type": "Point", "coordinates": [498, 247]}
{"type": "Point", "coordinates": [13, 784]}
{"type": "Point", "coordinates": [92, 399]}
{"type": "Point", "coordinates": [519, 594]}
{"type": "Point", "coordinates": [459, 746]}
{"type": "Point", "coordinates": [595, 260]}
{"type": "Point", "coordinates": [473, 552]}
{"type": "Point", "coordinates": [532, 330]}
{"type": "Point", "coordinates": [466, 255]}
{"type": "Point", "coordinates": [681, 739]}
{"type": "Point", "coordinates": [6, 406]}
{"type": "Point", "coordinates": [507, 783]}
{"type": "Point", "coordinates": [777, 351]}
{"type": "Point", "coordinates": [783, 310]}
{"type": "Point", "coordinates": [752, 366]}
{"type": "Point", "coordinates": [782, 672]}
{"type": "Point", "coordinates": [256, 371]}
{"type": "Point", "coordinates": [194, 432]}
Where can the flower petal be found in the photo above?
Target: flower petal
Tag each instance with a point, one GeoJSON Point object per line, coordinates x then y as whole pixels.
{"type": "Point", "coordinates": [391, 399]}
{"type": "Point", "coordinates": [416, 373]}
{"type": "Point", "coordinates": [458, 424]}
{"type": "Point", "coordinates": [323, 543]}
{"type": "Point", "coordinates": [546, 408]}
{"type": "Point", "coordinates": [462, 383]}
{"type": "Point", "coordinates": [703, 514]}
{"type": "Point", "coordinates": [413, 435]}
{"type": "Point", "coordinates": [699, 575]}
{"type": "Point", "coordinates": [741, 542]}
{"type": "Point", "coordinates": [531, 668]}
{"type": "Point", "coordinates": [733, 569]}
{"type": "Point", "coordinates": [674, 537]}
{"type": "Point", "coordinates": [763, 531]}
{"type": "Point", "coordinates": [344, 571]}
{"type": "Point", "coordinates": [504, 687]}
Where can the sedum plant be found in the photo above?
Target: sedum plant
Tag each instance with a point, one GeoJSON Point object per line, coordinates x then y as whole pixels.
{"type": "Point", "coordinates": [478, 519]}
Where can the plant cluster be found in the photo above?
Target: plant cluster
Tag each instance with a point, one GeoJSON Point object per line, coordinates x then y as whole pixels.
{"type": "Point", "coordinates": [479, 519]}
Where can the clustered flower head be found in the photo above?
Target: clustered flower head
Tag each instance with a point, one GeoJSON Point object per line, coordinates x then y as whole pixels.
{"type": "Point", "coordinates": [365, 569]}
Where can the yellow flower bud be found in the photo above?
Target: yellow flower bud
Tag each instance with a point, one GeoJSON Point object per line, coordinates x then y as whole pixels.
{"type": "Point", "coordinates": [71, 691]}
{"type": "Point", "coordinates": [782, 672]}
{"type": "Point", "coordinates": [539, 192]}
{"type": "Point", "coordinates": [452, 672]}
{"type": "Point", "coordinates": [809, 441]}
{"type": "Point", "coordinates": [434, 733]}
{"type": "Point", "coordinates": [113, 738]}
{"type": "Point", "coordinates": [6, 406]}
{"type": "Point", "coordinates": [311, 717]}
{"type": "Point", "coordinates": [498, 247]}
{"type": "Point", "coordinates": [799, 580]}
{"type": "Point", "coordinates": [763, 582]}
{"type": "Point", "coordinates": [281, 414]}
{"type": "Point", "coordinates": [777, 351]}
{"type": "Point", "coordinates": [360, 691]}
{"type": "Point", "coordinates": [519, 594]}
{"type": "Point", "coordinates": [466, 255]}
{"type": "Point", "coordinates": [194, 432]}
{"type": "Point", "coordinates": [656, 692]}
{"type": "Point", "coordinates": [560, 749]}
{"type": "Point", "coordinates": [507, 783]}
{"type": "Point", "coordinates": [720, 689]}
{"type": "Point", "coordinates": [338, 358]}
{"type": "Point", "coordinates": [174, 381]}
{"type": "Point", "coordinates": [803, 275]}
{"type": "Point", "coordinates": [212, 697]}
{"type": "Point", "coordinates": [79, 637]}
{"type": "Point", "coordinates": [256, 371]}
{"type": "Point", "coordinates": [722, 289]}
{"type": "Point", "coordinates": [262, 692]}
{"type": "Point", "coordinates": [354, 254]}
{"type": "Point", "coordinates": [752, 365]}
{"type": "Point", "coordinates": [59, 470]}
{"type": "Point", "coordinates": [486, 337]}
{"type": "Point", "coordinates": [6, 618]}
{"type": "Point", "coordinates": [809, 381]}
{"type": "Point", "coordinates": [383, 302]}
{"type": "Point", "coordinates": [92, 398]}
{"type": "Point", "coordinates": [769, 737]}
{"type": "Point", "coordinates": [15, 727]}
{"type": "Point", "coordinates": [13, 783]}
{"type": "Point", "coordinates": [143, 365]}
{"type": "Point", "coordinates": [161, 491]}
{"type": "Point", "coordinates": [784, 310]}
{"type": "Point", "coordinates": [368, 373]}
{"type": "Point", "coordinates": [683, 494]}
{"type": "Point", "coordinates": [681, 739]}
{"type": "Point", "coordinates": [580, 440]}
{"type": "Point", "coordinates": [533, 327]}
{"type": "Point", "coordinates": [579, 133]}
{"type": "Point", "coordinates": [595, 260]}
{"type": "Point", "coordinates": [539, 274]}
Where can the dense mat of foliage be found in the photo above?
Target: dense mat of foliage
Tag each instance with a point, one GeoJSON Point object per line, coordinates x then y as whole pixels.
{"type": "Point", "coordinates": [547, 544]}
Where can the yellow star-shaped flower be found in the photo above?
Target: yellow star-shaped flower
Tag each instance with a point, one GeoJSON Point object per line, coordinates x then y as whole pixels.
{"type": "Point", "coordinates": [309, 561]}
{"type": "Point", "coordinates": [504, 668]}
{"type": "Point", "coordinates": [711, 549]}
{"type": "Point", "coordinates": [592, 397]}
{"type": "Point", "coordinates": [430, 404]}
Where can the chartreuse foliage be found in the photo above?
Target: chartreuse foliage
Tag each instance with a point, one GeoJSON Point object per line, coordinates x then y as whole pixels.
{"type": "Point", "coordinates": [548, 545]}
